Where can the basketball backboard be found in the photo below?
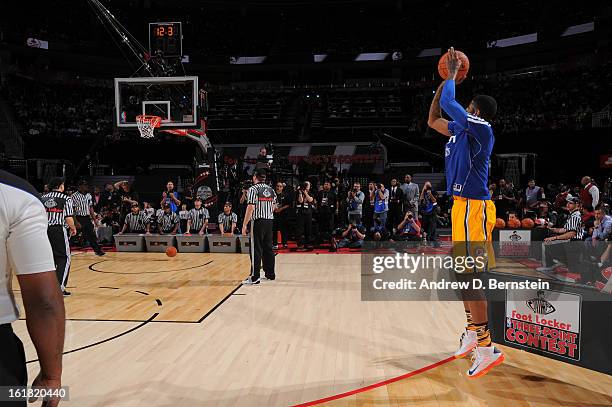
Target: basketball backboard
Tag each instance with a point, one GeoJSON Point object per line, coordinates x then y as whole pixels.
{"type": "Point", "coordinates": [173, 98]}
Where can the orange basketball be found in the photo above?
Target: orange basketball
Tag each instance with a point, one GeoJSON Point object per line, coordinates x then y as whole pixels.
{"type": "Point", "coordinates": [500, 223]}
{"type": "Point", "coordinates": [463, 70]}
{"type": "Point", "coordinates": [171, 251]}
{"type": "Point", "coordinates": [514, 223]}
{"type": "Point", "coordinates": [527, 223]}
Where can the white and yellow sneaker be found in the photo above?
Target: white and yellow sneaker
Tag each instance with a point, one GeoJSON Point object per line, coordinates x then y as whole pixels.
{"type": "Point", "coordinates": [468, 341]}
{"type": "Point", "coordinates": [485, 358]}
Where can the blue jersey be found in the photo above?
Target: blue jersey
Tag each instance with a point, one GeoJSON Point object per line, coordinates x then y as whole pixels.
{"type": "Point", "coordinates": [468, 151]}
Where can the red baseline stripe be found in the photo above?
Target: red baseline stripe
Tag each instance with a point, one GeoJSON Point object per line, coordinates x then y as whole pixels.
{"type": "Point", "coordinates": [376, 385]}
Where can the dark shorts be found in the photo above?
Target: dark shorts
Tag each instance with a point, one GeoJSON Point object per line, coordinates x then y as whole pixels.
{"type": "Point", "coordinates": [13, 370]}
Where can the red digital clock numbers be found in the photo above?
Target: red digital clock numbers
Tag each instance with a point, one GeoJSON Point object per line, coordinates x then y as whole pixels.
{"type": "Point", "coordinates": [164, 31]}
{"type": "Point", "coordinates": [166, 39]}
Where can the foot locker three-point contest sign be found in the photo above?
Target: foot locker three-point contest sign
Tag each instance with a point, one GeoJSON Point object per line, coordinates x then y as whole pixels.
{"type": "Point", "coordinates": [544, 320]}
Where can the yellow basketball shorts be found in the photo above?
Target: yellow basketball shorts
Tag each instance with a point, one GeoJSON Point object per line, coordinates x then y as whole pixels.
{"type": "Point", "coordinates": [472, 223]}
{"type": "Point", "coordinates": [472, 220]}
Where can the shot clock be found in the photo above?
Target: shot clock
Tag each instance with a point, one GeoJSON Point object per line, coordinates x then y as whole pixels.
{"type": "Point", "coordinates": [166, 38]}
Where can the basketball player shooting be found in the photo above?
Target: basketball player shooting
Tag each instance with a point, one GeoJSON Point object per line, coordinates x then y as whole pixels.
{"type": "Point", "coordinates": [467, 155]}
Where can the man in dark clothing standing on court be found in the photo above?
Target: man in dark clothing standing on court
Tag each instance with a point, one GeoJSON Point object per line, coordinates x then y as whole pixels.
{"type": "Point", "coordinates": [326, 204]}
{"type": "Point", "coordinates": [260, 213]}
{"type": "Point", "coordinates": [59, 213]}
{"type": "Point", "coordinates": [82, 203]}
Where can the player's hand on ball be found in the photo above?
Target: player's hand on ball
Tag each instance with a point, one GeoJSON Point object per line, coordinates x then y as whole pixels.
{"type": "Point", "coordinates": [453, 63]}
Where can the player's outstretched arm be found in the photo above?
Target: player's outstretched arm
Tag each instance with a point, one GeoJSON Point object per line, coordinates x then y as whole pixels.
{"type": "Point", "coordinates": [451, 106]}
{"type": "Point", "coordinates": [435, 120]}
{"type": "Point", "coordinates": [447, 100]}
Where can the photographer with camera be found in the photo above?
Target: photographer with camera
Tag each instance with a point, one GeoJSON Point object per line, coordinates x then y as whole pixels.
{"type": "Point", "coordinates": [379, 232]}
{"type": "Point", "coordinates": [264, 160]}
{"type": "Point", "coordinates": [355, 204]}
{"type": "Point", "coordinates": [368, 206]}
{"type": "Point", "coordinates": [352, 237]}
{"type": "Point", "coordinates": [381, 203]}
{"type": "Point", "coordinates": [409, 229]}
{"type": "Point", "coordinates": [429, 206]}
{"type": "Point", "coordinates": [303, 205]}
{"type": "Point", "coordinates": [326, 205]}
{"type": "Point", "coordinates": [170, 197]}
{"type": "Point", "coordinates": [281, 215]}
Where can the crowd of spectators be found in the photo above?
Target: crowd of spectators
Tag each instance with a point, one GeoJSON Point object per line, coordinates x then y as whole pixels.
{"type": "Point", "coordinates": [543, 99]}
{"type": "Point", "coordinates": [330, 210]}
{"type": "Point", "coordinates": [574, 220]}
{"type": "Point", "coordinates": [547, 100]}
{"type": "Point", "coordinates": [52, 110]}
{"type": "Point", "coordinates": [540, 101]}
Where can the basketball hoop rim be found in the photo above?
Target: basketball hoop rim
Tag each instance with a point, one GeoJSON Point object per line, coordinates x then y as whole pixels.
{"type": "Point", "coordinates": [153, 120]}
{"type": "Point", "coordinates": [147, 124]}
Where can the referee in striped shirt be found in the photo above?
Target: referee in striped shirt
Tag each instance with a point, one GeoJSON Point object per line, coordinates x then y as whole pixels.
{"type": "Point", "coordinates": [59, 214]}
{"type": "Point", "coordinates": [84, 214]}
{"type": "Point", "coordinates": [167, 221]}
{"type": "Point", "coordinates": [261, 200]}
{"type": "Point", "coordinates": [566, 245]}
{"type": "Point", "coordinates": [227, 220]}
{"type": "Point", "coordinates": [197, 218]}
{"type": "Point", "coordinates": [136, 221]}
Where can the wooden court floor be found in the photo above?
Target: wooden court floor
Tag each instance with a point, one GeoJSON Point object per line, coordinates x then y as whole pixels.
{"type": "Point", "coordinates": [147, 330]}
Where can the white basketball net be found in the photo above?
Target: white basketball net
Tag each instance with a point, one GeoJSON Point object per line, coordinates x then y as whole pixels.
{"type": "Point", "coordinates": [147, 124]}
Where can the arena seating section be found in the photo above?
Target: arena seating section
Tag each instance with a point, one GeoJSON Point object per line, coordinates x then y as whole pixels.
{"type": "Point", "coordinates": [546, 99]}
{"type": "Point", "coordinates": [216, 30]}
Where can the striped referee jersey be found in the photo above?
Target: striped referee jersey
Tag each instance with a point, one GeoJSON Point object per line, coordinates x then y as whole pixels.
{"type": "Point", "coordinates": [167, 221]}
{"type": "Point", "coordinates": [58, 206]}
{"type": "Point", "coordinates": [574, 223]}
{"type": "Point", "coordinates": [149, 211]}
{"type": "Point", "coordinates": [81, 203]}
{"type": "Point", "coordinates": [198, 217]}
{"type": "Point", "coordinates": [227, 220]}
{"type": "Point", "coordinates": [263, 197]}
{"type": "Point", "coordinates": [136, 222]}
